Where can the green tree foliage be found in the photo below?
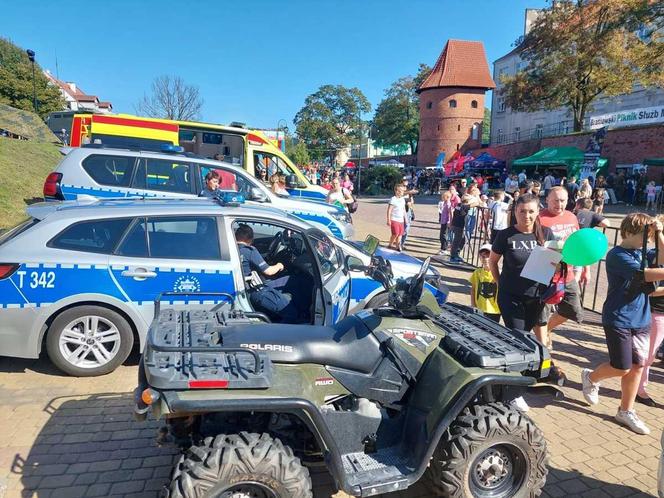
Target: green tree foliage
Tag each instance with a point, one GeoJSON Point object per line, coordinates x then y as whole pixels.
{"type": "Point", "coordinates": [578, 50]}
{"type": "Point", "coordinates": [380, 180]}
{"type": "Point", "coordinates": [328, 121]}
{"type": "Point", "coordinates": [397, 118]}
{"type": "Point", "coordinates": [16, 82]}
{"type": "Point", "coordinates": [486, 126]}
{"type": "Point", "coordinates": [297, 151]}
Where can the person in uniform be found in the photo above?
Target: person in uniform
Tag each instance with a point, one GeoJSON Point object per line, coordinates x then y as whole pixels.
{"type": "Point", "coordinates": [277, 305]}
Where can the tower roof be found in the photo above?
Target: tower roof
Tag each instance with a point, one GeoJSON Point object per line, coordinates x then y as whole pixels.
{"type": "Point", "coordinates": [462, 63]}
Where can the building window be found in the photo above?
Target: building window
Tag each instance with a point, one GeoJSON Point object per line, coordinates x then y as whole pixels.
{"type": "Point", "coordinates": [500, 136]}
{"type": "Point", "coordinates": [453, 103]}
{"type": "Point", "coordinates": [501, 104]}
{"type": "Point", "coordinates": [539, 129]}
{"type": "Point", "coordinates": [429, 105]}
{"type": "Point", "coordinates": [458, 127]}
{"type": "Point", "coordinates": [457, 146]}
{"type": "Point", "coordinates": [517, 133]}
{"type": "Point", "coordinates": [473, 104]}
{"type": "Point", "coordinates": [475, 133]}
{"type": "Point", "coordinates": [438, 127]}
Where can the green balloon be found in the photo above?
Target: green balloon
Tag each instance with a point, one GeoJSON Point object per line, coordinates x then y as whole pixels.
{"type": "Point", "coordinates": [585, 247]}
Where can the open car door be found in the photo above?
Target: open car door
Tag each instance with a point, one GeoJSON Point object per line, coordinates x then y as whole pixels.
{"type": "Point", "coordinates": [333, 297]}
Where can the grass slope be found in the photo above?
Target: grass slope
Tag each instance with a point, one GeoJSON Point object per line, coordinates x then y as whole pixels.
{"type": "Point", "coordinates": [24, 165]}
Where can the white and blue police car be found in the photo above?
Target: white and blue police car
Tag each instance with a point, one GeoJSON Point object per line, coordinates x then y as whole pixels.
{"type": "Point", "coordinates": [80, 277]}
{"type": "Point", "coordinates": [102, 172]}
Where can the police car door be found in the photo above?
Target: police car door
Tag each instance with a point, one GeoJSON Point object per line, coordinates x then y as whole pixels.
{"type": "Point", "coordinates": [335, 289]}
{"type": "Point", "coordinates": [174, 253]}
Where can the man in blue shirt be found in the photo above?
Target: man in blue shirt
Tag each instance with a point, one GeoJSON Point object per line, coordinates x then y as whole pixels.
{"type": "Point", "coordinates": [626, 321]}
{"type": "Point", "coordinates": [277, 305]}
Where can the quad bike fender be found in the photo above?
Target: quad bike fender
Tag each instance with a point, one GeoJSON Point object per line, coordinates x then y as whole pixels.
{"type": "Point", "coordinates": [444, 389]}
{"type": "Point", "coordinates": [309, 414]}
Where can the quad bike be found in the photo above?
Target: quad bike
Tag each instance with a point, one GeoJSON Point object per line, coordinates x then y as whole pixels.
{"type": "Point", "coordinates": [383, 399]}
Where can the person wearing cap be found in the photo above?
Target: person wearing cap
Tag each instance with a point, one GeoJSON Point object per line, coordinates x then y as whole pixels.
{"type": "Point", "coordinates": [484, 288]}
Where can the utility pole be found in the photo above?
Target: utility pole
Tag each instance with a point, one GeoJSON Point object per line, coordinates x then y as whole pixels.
{"type": "Point", "coordinates": [31, 56]}
{"type": "Point", "coordinates": [359, 151]}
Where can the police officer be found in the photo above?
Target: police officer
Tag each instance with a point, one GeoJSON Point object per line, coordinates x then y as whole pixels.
{"type": "Point", "coordinates": [277, 305]}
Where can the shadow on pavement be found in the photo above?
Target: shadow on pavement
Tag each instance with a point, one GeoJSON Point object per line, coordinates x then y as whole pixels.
{"type": "Point", "coordinates": [43, 364]}
{"type": "Point", "coordinates": [572, 483]}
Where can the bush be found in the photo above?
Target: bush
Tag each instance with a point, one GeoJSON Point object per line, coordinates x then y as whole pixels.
{"type": "Point", "coordinates": [380, 180]}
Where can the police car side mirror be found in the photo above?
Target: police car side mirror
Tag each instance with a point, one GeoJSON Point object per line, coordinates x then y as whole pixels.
{"type": "Point", "coordinates": [355, 264]}
{"type": "Point", "coordinates": [291, 181]}
{"type": "Point", "coordinates": [257, 195]}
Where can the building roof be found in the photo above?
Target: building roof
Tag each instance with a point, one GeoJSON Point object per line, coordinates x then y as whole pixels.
{"type": "Point", "coordinates": [462, 63]}
{"type": "Point", "coordinates": [74, 91]}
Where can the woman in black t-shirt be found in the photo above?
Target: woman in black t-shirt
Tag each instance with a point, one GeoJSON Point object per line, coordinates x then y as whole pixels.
{"type": "Point", "coordinates": [518, 297]}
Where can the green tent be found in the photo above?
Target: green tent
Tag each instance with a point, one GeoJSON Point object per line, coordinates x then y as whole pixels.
{"type": "Point", "coordinates": [557, 157]}
{"type": "Point", "coordinates": [654, 161]}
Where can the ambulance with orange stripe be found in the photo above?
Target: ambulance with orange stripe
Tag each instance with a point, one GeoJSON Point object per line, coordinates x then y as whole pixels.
{"type": "Point", "coordinates": [250, 149]}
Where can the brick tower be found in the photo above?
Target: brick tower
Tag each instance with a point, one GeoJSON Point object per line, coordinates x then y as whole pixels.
{"type": "Point", "coordinates": [452, 102]}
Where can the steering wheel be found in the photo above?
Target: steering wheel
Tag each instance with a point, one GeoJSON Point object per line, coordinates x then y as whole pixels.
{"type": "Point", "coordinates": [416, 286]}
{"type": "Point", "coordinates": [274, 246]}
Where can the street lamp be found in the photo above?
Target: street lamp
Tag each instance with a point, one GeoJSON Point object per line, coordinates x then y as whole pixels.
{"type": "Point", "coordinates": [283, 127]}
{"type": "Point", "coordinates": [31, 56]}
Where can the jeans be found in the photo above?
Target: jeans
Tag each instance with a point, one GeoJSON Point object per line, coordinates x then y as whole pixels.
{"type": "Point", "coordinates": [458, 242]}
{"type": "Point", "coordinates": [471, 220]}
{"type": "Point", "coordinates": [443, 236]}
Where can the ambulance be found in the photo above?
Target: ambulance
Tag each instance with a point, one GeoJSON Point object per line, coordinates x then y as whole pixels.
{"type": "Point", "coordinates": [236, 144]}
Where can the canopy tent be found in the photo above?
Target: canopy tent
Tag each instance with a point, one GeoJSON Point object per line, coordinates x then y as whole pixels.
{"type": "Point", "coordinates": [552, 156]}
{"type": "Point", "coordinates": [654, 161]}
{"type": "Point", "coordinates": [485, 160]}
{"type": "Point", "coordinates": [456, 162]}
{"type": "Point", "coordinates": [569, 158]}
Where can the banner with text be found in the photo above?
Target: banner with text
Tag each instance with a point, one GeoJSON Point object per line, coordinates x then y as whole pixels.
{"type": "Point", "coordinates": [644, 115]}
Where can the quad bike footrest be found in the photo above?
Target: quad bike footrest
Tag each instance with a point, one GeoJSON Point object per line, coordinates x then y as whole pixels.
{"type": "Point", "coordinates": [377, 473]}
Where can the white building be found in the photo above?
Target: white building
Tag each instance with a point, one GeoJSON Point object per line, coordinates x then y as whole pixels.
{"type": "Point", "coordinates": [509, 126]}
{"type": "Point", "coordinates": [78, 100]}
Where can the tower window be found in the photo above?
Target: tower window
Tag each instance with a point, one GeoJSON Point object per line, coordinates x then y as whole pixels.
{"type": "Point", "coordinates": [429, 105]}
{"type": "Point", "coordinates": [458, 127]}
{"type": "Point", "coordinates": [453, 103]}
{"type": "Point", "coordinates": [457, 146]}
{"type": "Point", "coordinates": [438, 127]}
{"type": "Point", "coordinates": [473, 104]}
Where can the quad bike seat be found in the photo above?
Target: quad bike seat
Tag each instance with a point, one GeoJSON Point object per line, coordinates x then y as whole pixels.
{"type": "Point", "coordinates": [349, 345]}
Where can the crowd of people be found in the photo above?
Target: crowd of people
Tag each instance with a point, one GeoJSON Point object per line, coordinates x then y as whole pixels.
{"type": "Point", "coordinates": [527, 213]}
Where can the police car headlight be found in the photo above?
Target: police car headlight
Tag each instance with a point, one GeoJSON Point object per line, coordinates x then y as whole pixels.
{"type": "Point", "coordinates": [340, 216]}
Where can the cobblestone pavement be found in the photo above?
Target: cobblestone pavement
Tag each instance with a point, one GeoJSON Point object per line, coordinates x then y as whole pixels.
{"type": "Point", "coordinates": [67, 437]}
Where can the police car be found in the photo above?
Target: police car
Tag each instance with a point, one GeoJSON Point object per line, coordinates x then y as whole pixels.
{"type": "Point", "coordinates": [81, 277]}
{"type": "Point", "coordinates": [115, 173]}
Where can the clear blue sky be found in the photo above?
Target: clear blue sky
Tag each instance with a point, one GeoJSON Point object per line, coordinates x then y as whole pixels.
{"type": "Point", "coordinates": [254, 61]}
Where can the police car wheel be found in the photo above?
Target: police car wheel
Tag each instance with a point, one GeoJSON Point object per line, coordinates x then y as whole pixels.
{"type": "Point", "coordinates": [89, 340]}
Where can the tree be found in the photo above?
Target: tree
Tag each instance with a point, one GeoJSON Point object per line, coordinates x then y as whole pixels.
{"type": "Point", "coordinates": [297, 151]}
{"type": "Point", "coordinates": [486, 126]}
{"type": "Point", "coordinates": [330, 120]}
{"type": "Point", "coordinates": [578, 51]}
{"type": "Point", "coordinates": [16, 82]}
{"type": "Point", "coordinates": [171, 98]}
{"type": "Point", "coordinates": [397, 118]}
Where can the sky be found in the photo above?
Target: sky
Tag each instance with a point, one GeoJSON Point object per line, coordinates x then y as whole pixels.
{"type": "Point", "coordinates": [253, 61]}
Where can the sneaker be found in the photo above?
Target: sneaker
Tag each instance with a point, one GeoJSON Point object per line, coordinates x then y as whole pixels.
{"type": "Point", "coordinates": [520, 404]}
{"type": "Point", "coordinates": [590, 390]}
{"type": "Point", "coordinates": [630, 420]}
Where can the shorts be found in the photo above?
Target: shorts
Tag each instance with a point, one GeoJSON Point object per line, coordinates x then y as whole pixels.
{"type": "Point", "coordinates": [397, 228]}
{"type": "Point", "coordinates": [570, 307]}
{"type": "Point", "coordinates": [627, 347]}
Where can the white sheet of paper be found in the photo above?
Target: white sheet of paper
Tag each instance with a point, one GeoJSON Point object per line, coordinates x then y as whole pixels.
{"type": "Point", "coordinates": [541, 265]}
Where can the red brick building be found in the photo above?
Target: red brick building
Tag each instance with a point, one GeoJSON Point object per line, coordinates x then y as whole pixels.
{"type": "Point", "coordinates": [452, 102]}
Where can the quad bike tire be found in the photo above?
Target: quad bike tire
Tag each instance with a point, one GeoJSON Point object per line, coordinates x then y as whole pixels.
{"type": "Point", "coordinates": [489, 450]}
{"type": "Point", "coordinates": [378, 301]}
{"type": "Point", "coordinates": [238, 466]}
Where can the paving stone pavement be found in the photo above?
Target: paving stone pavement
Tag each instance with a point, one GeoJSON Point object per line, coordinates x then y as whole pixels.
{"type": "Point", "coordinates": [67, 437]}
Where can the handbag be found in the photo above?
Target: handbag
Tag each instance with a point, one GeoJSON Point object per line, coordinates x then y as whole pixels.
{"type": "Point", "coordinates": [638, 285]}
{"type": "Point", "coordinates": [352, 207]}
{"type": "Point", "coordinates": [555, 292]}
